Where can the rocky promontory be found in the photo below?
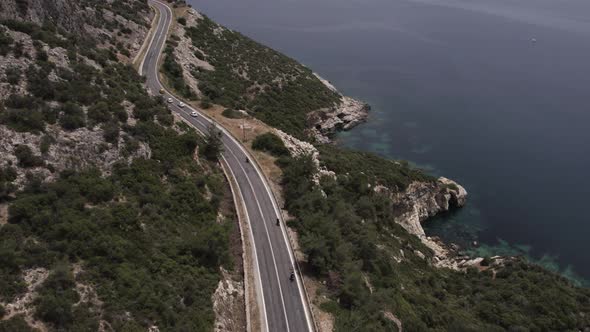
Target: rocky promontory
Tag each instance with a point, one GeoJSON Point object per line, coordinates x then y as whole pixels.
{"type": "Point", "coordinates": [412, 206]}
{"type": "Point", "coordinates": [423, 200]}
{"type": "Point", "coordinates": [346, 114]}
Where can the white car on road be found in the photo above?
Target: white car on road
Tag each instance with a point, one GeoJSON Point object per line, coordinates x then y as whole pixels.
{"type": "Point", "coordinates": [181, 104]}
{"type": "Point", "coordinates": [170, 100]}
{"type": "Point", "coordinates": [194, 114]}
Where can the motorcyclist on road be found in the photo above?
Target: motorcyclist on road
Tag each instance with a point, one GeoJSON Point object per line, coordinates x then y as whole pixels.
{"type": "Point", "coordinates": [292, 276]}
{"type": "Point", "coordinates": [278, 222]}
{"type": "Point", "coordinates": [247, 160]}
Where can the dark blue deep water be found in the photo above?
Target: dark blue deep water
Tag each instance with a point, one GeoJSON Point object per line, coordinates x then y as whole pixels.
{"type": "Point", "coordinates": [492, 93]}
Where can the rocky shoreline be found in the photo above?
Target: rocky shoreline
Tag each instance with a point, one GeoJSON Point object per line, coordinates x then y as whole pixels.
{"type": "Point", "coordinates": [324, 123]}
{"type": "Point", "coordinates": [418, 203]}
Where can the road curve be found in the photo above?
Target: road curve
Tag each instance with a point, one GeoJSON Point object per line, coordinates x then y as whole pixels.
{"type": "Point", "coordinates": [283, 302]}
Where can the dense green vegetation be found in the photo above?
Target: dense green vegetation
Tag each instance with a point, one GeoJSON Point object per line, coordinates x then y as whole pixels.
{"type": "Point", "coordinates": [7, 176]}
{"type": "Point", "coordinates": [5, 42]}
{"type": "Point", "coordinates": [26, 158]}
{"type": "Point", "coordinates": [273, 87]}
{"type": "Point", "coordinates": [213, 144]}
{"type": "Point", "coordinates": [348, 234]}
{"type": "Point", "coordinates": [145, 238]}
{"type": "Point", "coordinates": [270, 143]}
{"type": "Point", "coordinates": [232, 114]}
{"type": "Point", "coordinates": [142, 241]}
{"type": "Point", "coordinates": [391, 173]}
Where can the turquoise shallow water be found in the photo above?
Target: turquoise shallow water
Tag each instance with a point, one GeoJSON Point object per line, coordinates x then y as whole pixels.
{"type": "Point", "coordinates": [460, 89]}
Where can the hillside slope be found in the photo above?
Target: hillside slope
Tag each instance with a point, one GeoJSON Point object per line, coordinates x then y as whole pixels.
{"type": "Point", "coordinates": [224, 67]}
{"type": "Point", "coordinates": [357, 216]}
{"type": "Point", "coordinates": [110, 219]}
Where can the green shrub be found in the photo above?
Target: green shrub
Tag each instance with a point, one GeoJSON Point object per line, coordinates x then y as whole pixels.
{"type": "Point", "coordinates": [56, 298]}
{"type": "Point", "coordinates": [270, 143]}
{"type": "Point", "coordinates": [99, 113]}
{"type": "Point", "coordinates": [5, 42]}
{"type": "Point", "coordinates": [232, 114]}
{"type": "Point", "coordinates": [18, 50]}
{"type": "Point", "coordinates": [26, 158]}
{"type": "Point", "coordinates": [72, 116]}
{"type": "Point", "coordinates": [213, 145]}
{"type": "Point", "coordinates": [39, 84]}
{"type": "Point", "coordinates": [15, 324]}
{"type": "Point", "coordinates": [205, 104]}
{"type": "Point", "coordinates": [111, 132]}
{"type": "Point", "coordinates": [7, 176]}
{"type": "Point", "coordinates": [165, 119]}
{"type": "Point", "coordinates": [45, 143]}
{"type": "Point", "coordinates": [131, 145]}
{"type": "Point", "coordinates": [23, 120]}
{"type": "Point", "coordinates": [182, 20]}
{"type": "Point", "coordinates": [13, 75]}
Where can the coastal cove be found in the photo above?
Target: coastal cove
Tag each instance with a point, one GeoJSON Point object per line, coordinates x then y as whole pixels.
{"type": "Point", "coordinates": [464, 92]}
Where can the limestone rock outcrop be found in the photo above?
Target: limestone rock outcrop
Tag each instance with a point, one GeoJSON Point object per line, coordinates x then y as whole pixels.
{"type": "Point", "coordinates": [79, 149]}
{"type": "Point", "coordinates": [422, 200]}
{"type": "Point", "coordinates": [346, 114]}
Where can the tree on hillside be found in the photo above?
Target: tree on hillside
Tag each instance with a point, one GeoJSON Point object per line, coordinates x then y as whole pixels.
{"type": "Point", "coordinates": [213, 145]}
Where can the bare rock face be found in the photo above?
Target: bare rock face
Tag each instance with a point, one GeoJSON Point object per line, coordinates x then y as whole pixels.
{"type": "Point", "coordinates": [228, 300]}
{"type": "Point", "coordinates": [422, 200]}
{"type": "Point", "coordinates": [62, 12]}
{"type": "Point", "coordinates": [79, 149]}
{"type": "Point", "coordinates": [326, 122]}
{"type": "Point", "coordinates": [345, 115]}
{"type": "Point", "coordinates": [84, 21]}
{"type": "Point", "coordinates": [299, 148]}
{"type": "Point", "coordinates": [185, 52]}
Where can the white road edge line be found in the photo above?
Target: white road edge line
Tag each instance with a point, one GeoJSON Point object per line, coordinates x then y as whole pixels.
{"type": "Point", "coordinates": [143, 47]}
{"type": "Point", "coordinates": [263, 178]}
{"type": "Point", "coordinates": [272, 253]}
{"type": "Point", "coordinates": [279, 215]}
{"type": "Point", "coordinates": [263, 309]}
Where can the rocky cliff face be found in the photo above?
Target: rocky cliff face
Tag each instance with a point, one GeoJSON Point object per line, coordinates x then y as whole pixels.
{"type": "Point", "coordinates": [79, 149]}
{"type": "Point", "coordinates": [417, 203]}
{"type": "Point", "coordinates": [421, 201]}
{"type": "Point", "coordinates": [349, 112]}
{"type": "Point", "coordinates": [59, 12]}
{"type": "Point", "coordinates": [120, 25]}
{"type": "Point", "coordinates": [186, 54]}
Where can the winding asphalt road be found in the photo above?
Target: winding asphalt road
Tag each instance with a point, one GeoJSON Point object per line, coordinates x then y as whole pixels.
{"type": "Point", "coordinates": [283, 301]}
